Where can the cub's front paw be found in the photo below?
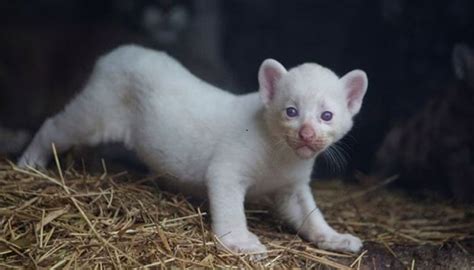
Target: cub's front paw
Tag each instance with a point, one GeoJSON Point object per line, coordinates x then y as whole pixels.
{"type": "Point", "coordinates": [243, 243]}
{"type": "Point", "coordinates": [340, 242]}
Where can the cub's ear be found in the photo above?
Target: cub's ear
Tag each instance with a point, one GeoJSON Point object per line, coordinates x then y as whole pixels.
{"type": "Point", "coordinates": [355, 84]}
{"type": "Point", "coordinates": [269, 74]}
{"type": "Point", "coordinates": [463, 60]}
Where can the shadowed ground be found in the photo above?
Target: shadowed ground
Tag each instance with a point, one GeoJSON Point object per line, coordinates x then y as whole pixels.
{"type": "Point", "coordinates": [109, 219]}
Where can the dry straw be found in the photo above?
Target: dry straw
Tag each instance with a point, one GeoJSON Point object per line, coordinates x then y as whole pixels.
{"type": "Point", "coordinates": [69, 219]}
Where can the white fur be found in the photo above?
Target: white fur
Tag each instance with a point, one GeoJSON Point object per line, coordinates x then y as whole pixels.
{"type": "Point", "coordinates": [232, 147]}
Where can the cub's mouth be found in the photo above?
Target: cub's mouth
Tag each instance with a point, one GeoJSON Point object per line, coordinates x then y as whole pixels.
{"type": "Point", "coordinates": [306, 150]}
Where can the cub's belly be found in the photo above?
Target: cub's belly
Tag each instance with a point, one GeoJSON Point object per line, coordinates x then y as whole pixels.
{"type": "Point", "coordinates": [187, 164]}
{"type": "Point", "coordinates": [173, 149]}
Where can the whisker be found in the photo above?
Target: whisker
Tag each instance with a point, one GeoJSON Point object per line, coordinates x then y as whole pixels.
{"type": "Point", "coordinates": [338, 158]}
{"type": "Point", "coordinates": [330, 159]}
{"type": "Point", "coordinates": [349, 137]}
{"type": "Point", "coordinates": [342, 151]}
{"type": "Point", "coordinates": [344, 144]}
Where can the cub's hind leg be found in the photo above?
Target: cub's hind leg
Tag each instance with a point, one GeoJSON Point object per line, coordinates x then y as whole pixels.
{"type": "Point", "coordinates": [89, 119]}
{"type": "Point", "coordinates": [70, 127]}
{"type": "Point", "coordinates": [100, 113]}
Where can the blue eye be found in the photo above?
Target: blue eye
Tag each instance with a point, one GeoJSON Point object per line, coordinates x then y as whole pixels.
{"type": "Point", "coordinates": [326, 116]}
{"type": "Point", "coordinates": [291, 112]}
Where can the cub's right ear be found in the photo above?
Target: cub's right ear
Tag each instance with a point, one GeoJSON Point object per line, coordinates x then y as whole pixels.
{"type": "Point", "coordinates": [463, 61]}
{"type": "Point", "coordinates": [269, 74]}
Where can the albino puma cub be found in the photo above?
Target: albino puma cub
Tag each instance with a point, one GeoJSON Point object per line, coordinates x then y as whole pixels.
{"type": "Point", "coordinates": [230, 147]}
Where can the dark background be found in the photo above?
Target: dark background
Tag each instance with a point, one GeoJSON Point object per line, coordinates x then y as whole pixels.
{"type": "Point", "coordinates": [48, 47]}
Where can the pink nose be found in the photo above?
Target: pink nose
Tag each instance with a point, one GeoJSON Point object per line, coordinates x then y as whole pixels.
{"type": "Point", "coordinates": [306, 133]}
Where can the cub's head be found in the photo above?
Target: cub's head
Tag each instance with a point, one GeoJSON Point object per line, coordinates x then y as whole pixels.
{"type": "Point", "coordinates": [309, 107]}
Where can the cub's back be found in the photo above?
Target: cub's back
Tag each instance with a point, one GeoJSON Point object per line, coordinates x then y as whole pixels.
{"type": "Point", "coordinates": [174, 118]}
{"type": "Point", "coordinates": [150, 76]}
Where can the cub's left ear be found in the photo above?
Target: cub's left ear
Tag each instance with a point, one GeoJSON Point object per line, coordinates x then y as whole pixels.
{"type": "Point", "coordinates": [355, 85]}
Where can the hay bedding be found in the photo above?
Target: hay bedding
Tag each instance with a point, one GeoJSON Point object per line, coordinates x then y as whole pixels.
{"type": "Point", "coordinates": [71, 219]}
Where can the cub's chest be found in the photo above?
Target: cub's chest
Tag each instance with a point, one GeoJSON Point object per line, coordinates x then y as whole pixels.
{"type": "Point", "coordinates": [273, 178]}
